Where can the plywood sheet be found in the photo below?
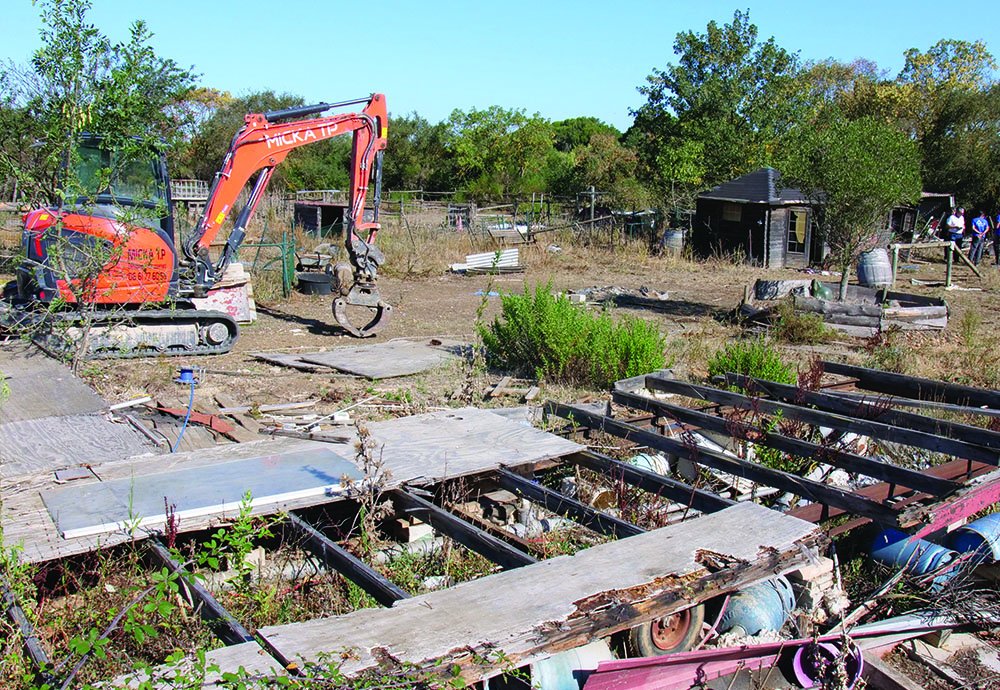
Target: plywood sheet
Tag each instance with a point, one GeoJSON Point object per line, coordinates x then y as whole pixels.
{"type": "Point", "coordinates": [453, 443]}
{"type": "Point", "coordinates": [89, 508]}
{"type": "Point", "coordinates": [52, 443]}
{"type": "Point", "coordinates": [410, 449]}
{"type": "Point", "coordinates": [42, 387]}
{"type": "Point", "coordinates": [533, 611]}
{"type": "Point", "coordinates": [390, 359]}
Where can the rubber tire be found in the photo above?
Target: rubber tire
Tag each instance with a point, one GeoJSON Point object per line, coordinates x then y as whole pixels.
{"type": "Point", "coordinates": [640, 638]}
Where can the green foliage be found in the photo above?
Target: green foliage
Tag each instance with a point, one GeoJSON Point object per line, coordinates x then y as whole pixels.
{"type": "Point", "coordinates": [608, 166]}
{"type": "Point", "coordinates": [800, 328]}
{"type": "Point", "coordinates": [857, 170]}
{"type": "Point", "coordinates": [729, 91]}
{"type": "Point", "coordinates": [557, 340]}
{"type": "Point", "coordinates": [79, 81]}
{"type": "Point", "coordinates": [755, 358]}
{"type": "Point", "coordinates": [203, 155]}
{"type": "Point", "coordinates": [497, 149]}
{"type": "Point", "coordinates": [578, 131]}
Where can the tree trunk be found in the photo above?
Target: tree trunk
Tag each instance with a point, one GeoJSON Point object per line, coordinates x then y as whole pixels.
{"type": "Point", "coordinates": [845, 275]}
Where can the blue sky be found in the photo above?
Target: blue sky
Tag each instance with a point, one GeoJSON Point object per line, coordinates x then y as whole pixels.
{"type": "Point", "coordinates": [559, 59]}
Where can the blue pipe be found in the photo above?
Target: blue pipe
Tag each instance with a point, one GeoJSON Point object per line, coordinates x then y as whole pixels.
{"type": "Point", "coordinates": [981, 537]}
{"type": "Point", "coordinates": [919, 556]}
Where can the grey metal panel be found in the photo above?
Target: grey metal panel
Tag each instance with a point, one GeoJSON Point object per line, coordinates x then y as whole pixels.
{"type": "Point", "coordinates": [99, 507]}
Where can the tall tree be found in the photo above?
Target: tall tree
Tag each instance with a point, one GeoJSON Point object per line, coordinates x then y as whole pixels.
{"type": "Point", "coordinates": [499, 152]}
{"type": "Point", "coordinates": [79, 81]}
{"type": "Point", "coordinates": [731, 92]}
{"type": "Point", "coordinates": [855, 171]}
{"type": "Point", "coordinates": [419, 157]}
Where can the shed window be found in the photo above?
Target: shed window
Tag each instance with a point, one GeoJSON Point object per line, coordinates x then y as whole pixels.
{"type": "Point", "coordinates": [732, 212]}
{"type": "Point", "coordinates": [798, 231]}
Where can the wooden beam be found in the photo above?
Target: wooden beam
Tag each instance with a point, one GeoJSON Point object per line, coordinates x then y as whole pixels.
{"type": "Point", "coordinates": [555, 502]}
{"type": "Point", "coordinates": [658, 485]}
{"type": "Point", "coordinates": [886, 432]}
{"type": "Point", "coordinates": [380, 588]}
{"type": "Point", "coordinates": [952, 470]}
{"type": "Point", "coordinates": [504, 555]}
{"type": "Point", "coordinates": [916, 387]}
{"type": "Point", "coordinates": [814, 491]}
{"type": "Point", "coordinates": [32, 646]}
{"type": "Point", "coordinates": [219, 620]}
{"type": "Point", "coordinates": [829, 455]}
{"type": "Point", "coordinates": [852, 407]}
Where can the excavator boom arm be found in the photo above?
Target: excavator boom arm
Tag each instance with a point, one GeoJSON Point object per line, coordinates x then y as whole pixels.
{"type": "Point", "coordinates": [263, 143]}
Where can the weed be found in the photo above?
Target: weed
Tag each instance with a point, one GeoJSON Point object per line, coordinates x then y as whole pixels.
{"type": "Point", "coordinates": [754, 358]}
{"type": "Point", "coordinates": [800, 328]}
{"type": "Point", "coordinates": [546, 334]}
{"type": "Point", "coordinates": [886, 350]}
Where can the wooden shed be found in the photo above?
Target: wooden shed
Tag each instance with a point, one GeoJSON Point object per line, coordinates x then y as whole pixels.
{"type": "Point", "coordinates": [755, 217]}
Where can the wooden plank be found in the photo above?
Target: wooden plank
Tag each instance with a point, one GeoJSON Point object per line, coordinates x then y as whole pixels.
{"type": "Point", "coordinates": [658, 485]}
{"type": "Point", "coordinates": [219, 620]}
{"type": "Point", "coordinates": [828, 455]}
{"type": "Point", "coordinates": [390, 359]}
{"type": "Point", "coordinates": [879, 407]}
{"type": "Point", "coordinates": [378, 586]}
{"type": "Point", "coordinates": [811, 490]}
{"type": "Point", "coordinates": [51, 443]}
{"type": "Point", "coordinates": [594, 593]}
{"type": "Point", "coordinates": [500, 387]}
{"type": "Point", "coordinates": [555, 502]}
{"type": "Point", "coordinates": [501, 553]}
{"type": "Point", "coordinates": [452, 443]}
{"type": "Point", "coordinates": [916, 387]}
{"type": "Point", "coordinates": [886, 432]}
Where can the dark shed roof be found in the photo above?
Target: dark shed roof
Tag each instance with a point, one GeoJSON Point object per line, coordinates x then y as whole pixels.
{"type": "Point", "coordinates": [759, 187]}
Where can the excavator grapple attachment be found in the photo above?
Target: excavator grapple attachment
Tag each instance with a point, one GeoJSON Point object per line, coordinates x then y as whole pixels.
{"type": "Point", "coordinates": [362, 302]}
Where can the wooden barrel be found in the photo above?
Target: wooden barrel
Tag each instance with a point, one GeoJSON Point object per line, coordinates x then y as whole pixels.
{"type": "Point", "coordinates": [875, 269]}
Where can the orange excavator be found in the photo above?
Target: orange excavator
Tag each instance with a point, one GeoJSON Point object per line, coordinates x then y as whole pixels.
{"type": "Point", "coordinates": [147, 278]}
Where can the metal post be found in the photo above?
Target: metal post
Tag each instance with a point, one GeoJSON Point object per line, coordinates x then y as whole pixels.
{"type": "Point", "coordinates": [948, 255]}
{"type": "Point", "coordinates": [895, 264]}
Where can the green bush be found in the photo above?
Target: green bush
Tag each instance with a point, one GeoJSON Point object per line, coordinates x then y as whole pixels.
{"type": "Point", "coordinates": [560, 341]}
{"type": "Point", "coordinates": [755, 358]}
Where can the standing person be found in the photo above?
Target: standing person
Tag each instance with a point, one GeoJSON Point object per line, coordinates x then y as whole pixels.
{"type": "Point", "coordinates": [996, 240]}
{"type": "Point", "coordinates": [980, 228]}
{"type": "Point", "coordinates": [956, 226]}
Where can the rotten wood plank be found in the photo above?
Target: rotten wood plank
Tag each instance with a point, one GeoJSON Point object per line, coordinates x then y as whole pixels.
{"type": "Point", "coordinates": [916, 387]}
{"type": "Point", "coordinates": [851, 462]}
{"type": "Point", "coordinates": [594, 593]}
{"type": "Point", "coordinates": [806, 488]}
{"type": "Point", "coordinates": [864, 427]}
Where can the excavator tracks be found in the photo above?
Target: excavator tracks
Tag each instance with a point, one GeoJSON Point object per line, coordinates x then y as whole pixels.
{"type": "Point", "coordinates": [142, 333]}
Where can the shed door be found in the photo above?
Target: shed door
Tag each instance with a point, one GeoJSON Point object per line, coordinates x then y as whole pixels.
{"type": "Point", "coordinates": [798, 237]}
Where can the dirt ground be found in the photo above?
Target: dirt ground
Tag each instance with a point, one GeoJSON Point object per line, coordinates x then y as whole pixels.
{"type": "Point", "coordinates": [433, 302]}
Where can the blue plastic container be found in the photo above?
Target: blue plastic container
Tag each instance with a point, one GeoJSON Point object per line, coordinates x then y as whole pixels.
{"type": "Point", "coordinates": [919, 556]}
{"type": "Point", "coordinates": [762, 607]}
{"type": "Point", "coordinates": [981, 537]}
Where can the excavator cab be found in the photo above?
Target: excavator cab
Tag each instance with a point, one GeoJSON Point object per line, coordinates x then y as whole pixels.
{"type": "Point", "coordinates": [114, 233]}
